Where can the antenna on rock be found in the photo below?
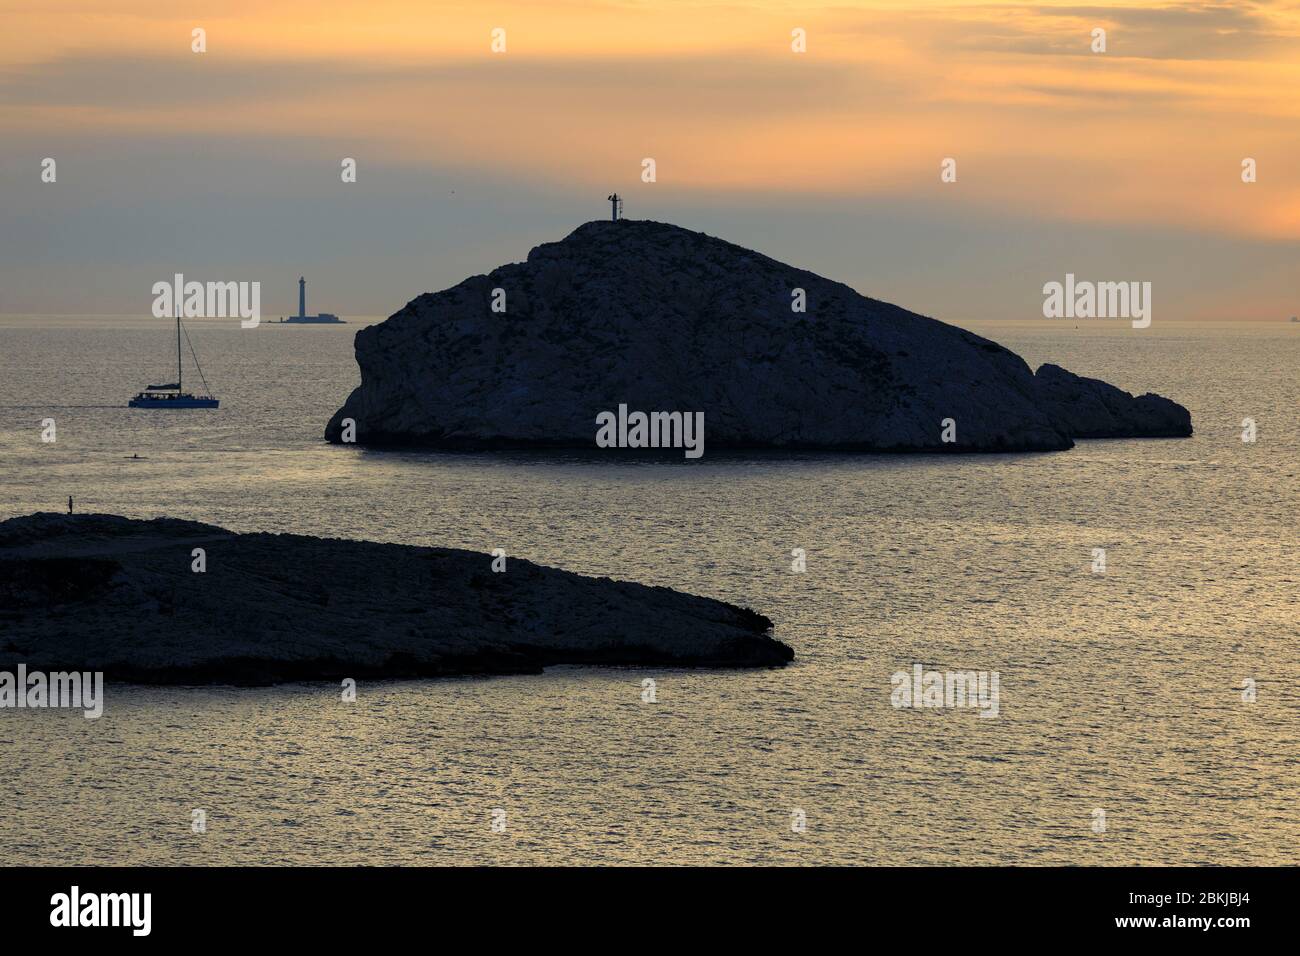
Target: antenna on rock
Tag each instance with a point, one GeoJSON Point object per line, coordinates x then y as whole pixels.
{"type": "Point", "coordinates": [615, 207]}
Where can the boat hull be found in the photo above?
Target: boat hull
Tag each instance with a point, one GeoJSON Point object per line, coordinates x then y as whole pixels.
{"type": "Point", "coordinates": [187, 401]}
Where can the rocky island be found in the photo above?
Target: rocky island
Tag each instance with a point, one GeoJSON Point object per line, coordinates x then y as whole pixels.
{"type": "Point", "coordinates": [119, 595]}
{"type": "Point", "coordinates": [646, 315]}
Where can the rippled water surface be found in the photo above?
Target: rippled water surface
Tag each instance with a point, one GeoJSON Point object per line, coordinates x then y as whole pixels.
{"type": "Point", "coordinates": [1119, 691]}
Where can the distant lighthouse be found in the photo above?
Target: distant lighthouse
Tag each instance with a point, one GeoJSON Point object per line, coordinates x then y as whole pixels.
{"type": "Point", "coordinates": [325, 318]}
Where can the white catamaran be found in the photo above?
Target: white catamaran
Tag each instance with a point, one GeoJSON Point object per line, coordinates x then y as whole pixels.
{"type": "Point", "coordinates": [171, 396]}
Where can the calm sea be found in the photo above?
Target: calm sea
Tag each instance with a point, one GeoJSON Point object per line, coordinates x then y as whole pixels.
{"type": "Point", "coordinates": [1120, 692]}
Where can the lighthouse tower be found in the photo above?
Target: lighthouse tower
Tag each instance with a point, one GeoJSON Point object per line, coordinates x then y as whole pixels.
{"type": "Point", "coordinates": [325, 318]}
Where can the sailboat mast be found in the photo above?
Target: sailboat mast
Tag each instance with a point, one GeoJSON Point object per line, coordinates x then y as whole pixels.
{"type": "Point", "coordinates": [179, 380]}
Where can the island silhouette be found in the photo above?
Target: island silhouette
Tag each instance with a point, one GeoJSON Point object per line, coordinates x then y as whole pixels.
{"type": "Point", "coordinates": [652, 316]}
{"type": "Point", "coordinates": [122, 595]}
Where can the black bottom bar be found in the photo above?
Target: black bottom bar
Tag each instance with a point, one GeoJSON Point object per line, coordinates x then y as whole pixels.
{"type": "Point", "coordinates": [949, 906]}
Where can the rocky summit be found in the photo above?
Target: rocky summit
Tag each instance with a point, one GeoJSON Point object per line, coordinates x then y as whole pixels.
{"type": "Point", "coordinates": [169, 601]}
{"type": "Point", "coordinates": [662, 321]}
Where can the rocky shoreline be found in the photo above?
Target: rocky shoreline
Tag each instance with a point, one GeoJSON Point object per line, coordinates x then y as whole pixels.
{"type": "Point", "coordinates": [120, 595]}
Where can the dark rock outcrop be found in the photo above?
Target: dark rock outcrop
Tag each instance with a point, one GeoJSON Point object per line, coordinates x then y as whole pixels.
{"type": "Point", "coordinates": [660, 318]}
{"type": "Point", "coordinates": [118, 595]}
{"type": "Point", "coordinates": [1090, 408]}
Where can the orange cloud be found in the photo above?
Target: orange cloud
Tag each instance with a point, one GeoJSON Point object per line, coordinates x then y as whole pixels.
{"type": "Point", "coordinates": [1152, 131]}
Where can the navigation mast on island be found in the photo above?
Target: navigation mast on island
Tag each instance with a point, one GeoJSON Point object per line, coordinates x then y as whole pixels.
{"type": "Point", "coordinates": [615, 207]}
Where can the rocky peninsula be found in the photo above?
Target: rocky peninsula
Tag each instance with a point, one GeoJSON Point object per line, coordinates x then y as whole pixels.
{"type": "Point", "coordinates": [106, 593]}
{"type": "Point", "coordinates": [646, 315]}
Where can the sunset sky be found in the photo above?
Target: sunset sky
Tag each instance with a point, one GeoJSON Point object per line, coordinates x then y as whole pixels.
{"type": "Point", "coordinates": [225, 165]}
